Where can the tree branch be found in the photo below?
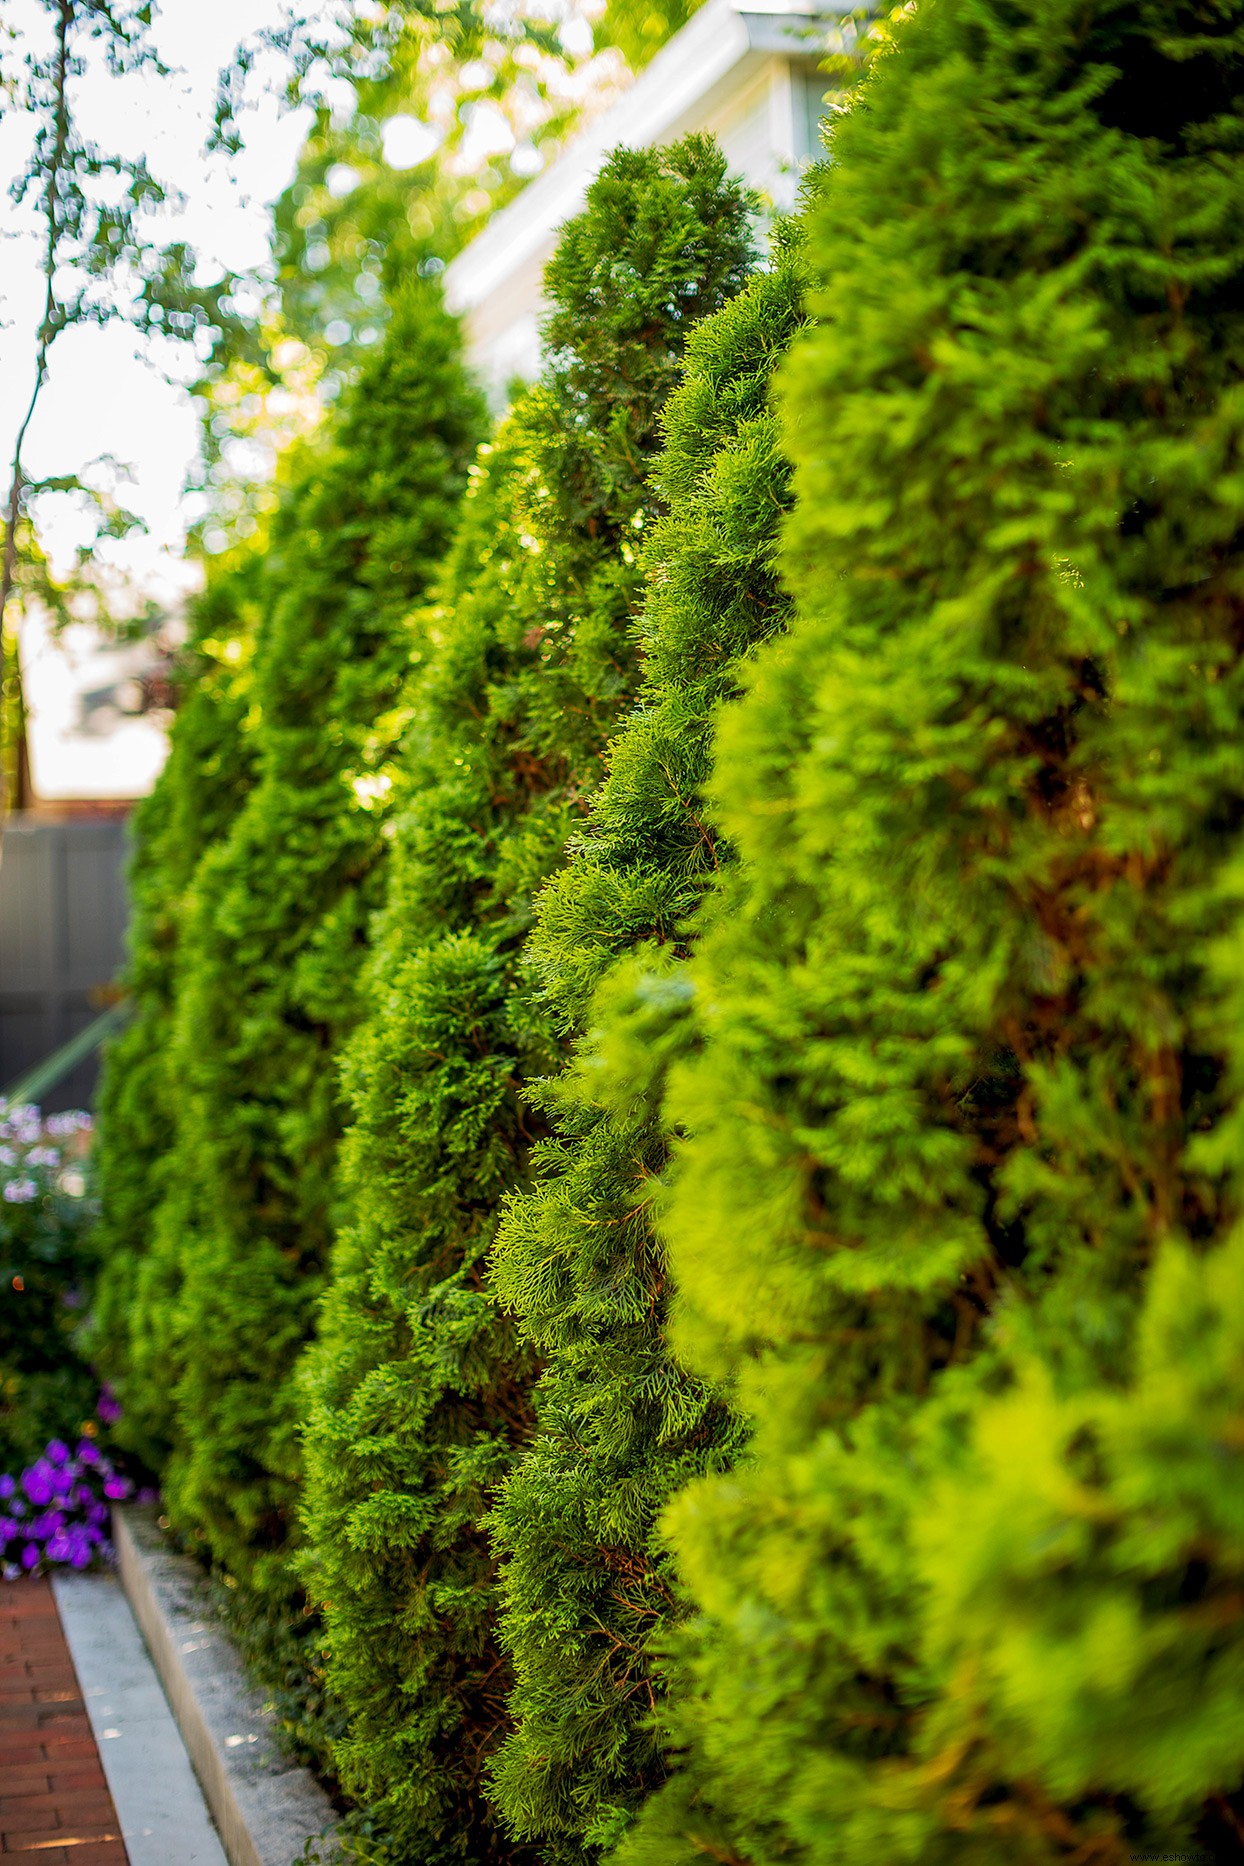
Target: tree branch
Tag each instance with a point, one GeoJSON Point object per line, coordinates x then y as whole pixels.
{"type": "Point", "coordinates": [47, 331]}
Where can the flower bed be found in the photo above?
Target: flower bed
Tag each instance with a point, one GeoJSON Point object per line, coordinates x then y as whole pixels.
{"type": "Point", "coordinates": [56, 1512]}
{"type": "Point", "coordinates": [49, 1397]}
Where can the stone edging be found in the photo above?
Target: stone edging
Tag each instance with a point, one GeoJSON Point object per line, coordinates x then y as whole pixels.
{"type": "Point", "coordinates": [265, 1807]}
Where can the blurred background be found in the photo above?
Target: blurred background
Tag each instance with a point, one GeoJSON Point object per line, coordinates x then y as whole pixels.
{"type": "Point", "coordinates": [304, 160]}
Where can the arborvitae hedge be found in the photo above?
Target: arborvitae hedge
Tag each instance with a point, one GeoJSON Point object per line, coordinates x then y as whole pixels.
{"type": "Point", "coordinates": [209, 770]}
{"type": "Point", "coordinates": [587, 1584]}
{"type": "Point", "coordinates": [416, 1391]}
{"type": "Point", "coordinates": [274, 936]}
{"type": "Point", "coordinates": [961, 1208]}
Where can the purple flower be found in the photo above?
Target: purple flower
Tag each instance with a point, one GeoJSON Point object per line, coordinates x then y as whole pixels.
{"type": "Point", "coordinates": [88, 1453]}
{"type": "Point", "coordinates": [8, 1528]}
{"type": "Point", "coordinates": [20, 1191]}
{"type": "Point", "coordinates": [37, 1482]}
{"type": "Point", "coordinates": [7, 1485]}
{"type": "Point", "coordinates": [98, 1513]}
{"type": "Point", "coordinates": [30, 1557]}
{"type": "Point", "coordinates": [17, 1507]}
{"type": "Point", "coordinates": [107, 1408]}
{"type": "Point", "coordinates": [82, 1495]}
{"type": "Point", "coordinates": [117, 1487]}
{"type": "Point", "coordinates": [58, 1548]}
{"type": "Point", "coordinates": [57, 1452]}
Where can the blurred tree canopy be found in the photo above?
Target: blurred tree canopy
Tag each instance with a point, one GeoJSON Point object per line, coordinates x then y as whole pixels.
{"type": "Point", "coordinates": [639, 28]}
{"type": "Point", "coordinates": [425, 121]}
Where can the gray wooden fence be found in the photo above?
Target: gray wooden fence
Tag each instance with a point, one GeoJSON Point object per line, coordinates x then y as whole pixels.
{"type": "Point", "coordinates": [62, 930]}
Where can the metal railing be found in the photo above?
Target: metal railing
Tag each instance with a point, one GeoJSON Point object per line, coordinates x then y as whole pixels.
{"type": "Point", "coordinates": [34, 1084]}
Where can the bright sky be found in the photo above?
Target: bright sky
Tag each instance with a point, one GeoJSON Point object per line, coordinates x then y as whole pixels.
{"type": "Point", "coordinates": [104, 395]}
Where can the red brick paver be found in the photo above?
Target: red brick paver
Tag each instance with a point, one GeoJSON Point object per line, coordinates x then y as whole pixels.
{"type": "Point", "coordinates": [55, 1809]}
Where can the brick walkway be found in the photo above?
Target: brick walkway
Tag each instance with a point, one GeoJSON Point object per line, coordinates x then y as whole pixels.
{"type": "Point", "coordinates": [55, 1808]}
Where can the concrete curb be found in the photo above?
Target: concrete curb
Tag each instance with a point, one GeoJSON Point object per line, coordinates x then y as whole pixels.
{"type": "Point", "coordinates": [265, 1807]}
{"type": "Point", "coordinates": [164, 1820]}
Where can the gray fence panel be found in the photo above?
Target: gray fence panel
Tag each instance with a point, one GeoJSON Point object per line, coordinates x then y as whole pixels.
{"type": "Point", "coordinates": [63, 915]}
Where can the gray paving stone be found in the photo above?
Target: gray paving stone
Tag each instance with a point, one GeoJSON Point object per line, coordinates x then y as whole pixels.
{"type": "Point", "coordinates": [265, 1807]}
{"type": "Point", "coordinates": [164, 1819]}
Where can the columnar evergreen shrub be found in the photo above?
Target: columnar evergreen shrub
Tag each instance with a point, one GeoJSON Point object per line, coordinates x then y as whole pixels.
{"type": "Point", "coordinates": [960, 1208]}
{"type": "Point", "coordinates": [205, 778]}
{"type": "Point", "coordinates": [273, 939]}
{"type": "Point", "coordinates": [587, 1583]}
{"type": "Point", "coordinates": [416, 1391]}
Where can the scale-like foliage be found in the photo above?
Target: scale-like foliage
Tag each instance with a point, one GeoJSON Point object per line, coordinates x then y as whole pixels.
{"type": "Point", "coordinates": [416, 1391]}
{"type": "Point", "coordinates": [961, 1207]}
{"type": "Point", "coordinates": [274, 934]}
{"type": "Point", "coordinates": [587, 1584]}
{"type": "Point", "coordinates": [204, 782]}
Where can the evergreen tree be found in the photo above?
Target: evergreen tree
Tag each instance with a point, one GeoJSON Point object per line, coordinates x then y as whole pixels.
{"type": "Point", "coordinates": [416, 1391]}
{"type": "Point", "coordinates": [204, 781]}
{"type": "Point", "coordinates": [273, 938]}
{"type": "Point", "coordinates": [959, 1210]}
{"type": "Point", "coordinates": [587, 1582]}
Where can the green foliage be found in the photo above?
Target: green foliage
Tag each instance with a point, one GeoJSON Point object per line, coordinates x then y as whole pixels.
{"type": "Point", "coordinates": [204, 783]}
{"type": "Point", "coordinates": [639, 28]}
{"type": "Point", "coordinates": [351, 220]}
{"type": "Point", "coordinates": [416, 1392]}
{"type": "Point", "coordinates": [391, 181]}
{"type": "Point", "coordinates": [414, 1389]}
{"type": "Point", "coordinates": [272, 939]}
{"type": "Point", "coordinates": [959, 1210]}
{"type": "Point", "coordinates": [280, 1642]}
{"type": "Point", "coordinates": [209, 770]}
{"type": "Point", "coordinates": [587, 1582]}
{"type": "Point", "coordinates": [47, 1265]}
{"type": "Point", "coordinates": [1083, 1561]}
